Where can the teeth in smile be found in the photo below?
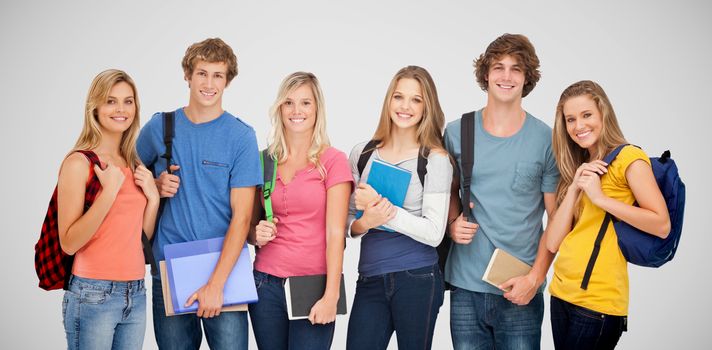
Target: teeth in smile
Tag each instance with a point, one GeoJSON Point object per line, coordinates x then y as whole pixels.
{"type": "Point", "coordinates": [296, 120]}
{"type": "Point", "coordinates": [209, 94]}
{"type": "Point", "coordinates": [583, 134]}
{"type": "Point", "coordinates": [403, 115]}
{"type": "Point", "coordinates": [505, 86]}
{"type": "Point", "coordinates": [121, 119]}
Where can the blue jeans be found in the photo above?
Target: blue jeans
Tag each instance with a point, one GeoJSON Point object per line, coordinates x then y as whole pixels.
{"type": "Point", "coordinates": [227, 331]}
{"type": "Point", "coordinates": [489, 321]}
{"type": "Point", "coordinates": [272, 327]}
{"type": "Point", "coordinates": [405, 301]}
{"type": "Point", "coordinates": [576, 327]}
{"type": "Point", "coordinates": [102, 314]}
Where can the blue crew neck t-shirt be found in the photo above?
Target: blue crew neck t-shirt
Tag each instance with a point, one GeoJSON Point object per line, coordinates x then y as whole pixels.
{"type": "Point", "coordinates": [214, 157]}
{"type": "Point", "coordinates": [510, 176]}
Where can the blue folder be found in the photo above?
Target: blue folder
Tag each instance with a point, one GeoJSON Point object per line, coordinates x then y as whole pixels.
{"type": "Point", "coordinates": [190, 265]}
{"type": "Point", "coordinates": [389, 181]}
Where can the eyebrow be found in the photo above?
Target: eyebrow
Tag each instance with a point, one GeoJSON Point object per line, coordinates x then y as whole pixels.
{"type": "Point", "coordinates": [116, 98]}
{"type": "Point", "coordinates": [398, 92]}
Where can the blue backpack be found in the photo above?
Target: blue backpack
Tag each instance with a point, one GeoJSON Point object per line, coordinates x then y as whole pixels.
{"type": "Point", "coordinates": [638, 247]}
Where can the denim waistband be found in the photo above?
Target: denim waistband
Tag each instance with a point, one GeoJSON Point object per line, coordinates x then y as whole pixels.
{"type": "Point", "coordinates": [269, 278]}
{"type": "Point", "coordinates": [106, 285]}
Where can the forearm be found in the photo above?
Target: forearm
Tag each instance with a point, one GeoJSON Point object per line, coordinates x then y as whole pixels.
{"type": "Point", "coordinates": [559, 225]}
{"type": "Point", "coordinates": [150, 214]}
{"type": "Point", "coordinates": [430, 226]}
{"type": "Point", "coordinates": [232, 247]}
{"type": "Point", "coordinates": [82, 230]}
{"type": "Point", "coordinates": [334, 263]}
{"type": "Point", "coordinates": [359, 227]}
{"type": "Point", "coordinates": [542, 262]}
{"type": "Point", "coordinates": [646, 220]}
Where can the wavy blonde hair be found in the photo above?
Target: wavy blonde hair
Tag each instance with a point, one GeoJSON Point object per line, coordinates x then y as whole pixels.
{"type": "Point", "coordinates": [320, 141]}
{"type": "Point", "coordinates": [569, 155]}
{"type": "Point", "coordinates": [430, 128]}
{"type": "Point", "coordinates": [98, 95]}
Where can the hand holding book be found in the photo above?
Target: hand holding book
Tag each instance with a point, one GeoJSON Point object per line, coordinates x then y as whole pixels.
{"type": "Point", "coordinates": [364, 195]}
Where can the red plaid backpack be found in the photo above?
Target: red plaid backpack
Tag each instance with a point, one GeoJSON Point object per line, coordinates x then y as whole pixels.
{"type": "Point", "coordinates": [52, 264]}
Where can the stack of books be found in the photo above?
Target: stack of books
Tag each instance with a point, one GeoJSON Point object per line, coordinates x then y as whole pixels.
{"type": "Point", "coordinates": [189, 265]}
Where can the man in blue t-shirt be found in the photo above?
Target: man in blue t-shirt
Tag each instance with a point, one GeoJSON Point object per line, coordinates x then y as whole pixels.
{"type": "Point", "coordinates": [514, 180]}
{"type": "Point", "coordinates": [215, 168]}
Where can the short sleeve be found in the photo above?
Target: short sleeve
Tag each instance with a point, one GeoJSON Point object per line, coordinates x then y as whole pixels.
{"type": "Point", "coordinates": [337, 168]}
{"type": "Point", "coordinates": [148, 139]}
{"type": "Point", "coordinates": [625, 158]}
{"type": "Point", "coordinates": [550, 177]}
{"type": "Point", "coordinates": [246, 169]}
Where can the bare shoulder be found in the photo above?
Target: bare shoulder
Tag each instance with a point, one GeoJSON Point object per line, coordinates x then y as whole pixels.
{"type": "Point", "coordinates": [74, 167]}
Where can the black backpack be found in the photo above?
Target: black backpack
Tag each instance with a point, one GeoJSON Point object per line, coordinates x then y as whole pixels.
{"type": "Point", "coordinates": [467, 155]}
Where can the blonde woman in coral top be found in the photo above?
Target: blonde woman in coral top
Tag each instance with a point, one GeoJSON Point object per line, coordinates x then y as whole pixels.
{"type": "Point", "coordinates": [104, 306]}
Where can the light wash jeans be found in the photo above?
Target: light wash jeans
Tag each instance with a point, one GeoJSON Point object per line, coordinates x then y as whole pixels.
{"type": "Point", "coordinates": [102, 314]}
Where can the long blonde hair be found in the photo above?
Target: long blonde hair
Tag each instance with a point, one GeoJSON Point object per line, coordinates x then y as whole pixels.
{"type": "Point", "coordinates": [320, 141]}
{"type": "Point", "coordinates": [569, 155]}
{"type": "Point", "coordinates": [430, 128]}
{"type": "Point", "coordinates": [90, 136]}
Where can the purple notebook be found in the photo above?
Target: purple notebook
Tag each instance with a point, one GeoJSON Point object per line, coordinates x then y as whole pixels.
{"type": "Point", "coordinates": [190, 265]}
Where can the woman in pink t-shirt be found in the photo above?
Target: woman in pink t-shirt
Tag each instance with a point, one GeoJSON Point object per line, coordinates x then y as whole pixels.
{"type": "Point", "coordinates": [310, 204]}
{"type": "Point", "coordinates": [104, 306]}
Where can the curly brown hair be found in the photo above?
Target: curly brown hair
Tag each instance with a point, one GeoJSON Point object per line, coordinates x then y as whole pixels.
{"type": "Point", "coordinates": [517, 46]}
{"type": "Point", "coordinates": [210, 50]}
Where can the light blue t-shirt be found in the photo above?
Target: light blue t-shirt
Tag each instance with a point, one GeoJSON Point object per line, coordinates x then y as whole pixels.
{"type": "Point", "coordinates": [214, 157]}
{"type": "Point", "coordinates": [510, 176]}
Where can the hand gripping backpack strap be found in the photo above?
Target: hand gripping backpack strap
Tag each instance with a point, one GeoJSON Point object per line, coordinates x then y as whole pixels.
{"type": "Point", "coordinates": [467, 151]}
{"type": "Point", "coordinates": [269, 169]}
{"type": "Point", "coordinates": [601, 231]}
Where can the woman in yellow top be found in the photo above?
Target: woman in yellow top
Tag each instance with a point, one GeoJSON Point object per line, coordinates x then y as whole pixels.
{"type": "Point", "coordinates": [585, 131]}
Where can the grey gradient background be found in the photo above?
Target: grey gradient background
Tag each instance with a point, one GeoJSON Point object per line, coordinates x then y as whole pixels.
{"type": "Point", "coordinates": [653, 60]}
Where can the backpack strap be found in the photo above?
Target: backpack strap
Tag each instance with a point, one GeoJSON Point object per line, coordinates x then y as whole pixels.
{"type": "Point", "coordinates": [366, 155]}
{"type": "Point", "coordinates": [467, 151]}
{"type": "Point", "coordinates": [608, 159]}
{"type": "Point", "coordinates": [269, 169]}
{"type": "Point", "coordinates": [168, 134]}
{"type": "Point", "coordinates": [596, 250]}
{"type": "Point", "coordinates": [169, 130]}
{"type": "Point", "coordinates": [423, 154]}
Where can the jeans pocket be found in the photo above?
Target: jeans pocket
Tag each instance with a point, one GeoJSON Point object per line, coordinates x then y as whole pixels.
{"type": "Point", "coordinates": [65, 301]}
{"type": "Point", "coordinates": [421, 272]}
{"type": "Point", "coordinates": [92, 296]}
{"type": "Point", "coordinates": [527, 177]}
{"type": "Point", "coordinates": [584, 312]}
{"type": "Point", "coordinates": [259, 280]}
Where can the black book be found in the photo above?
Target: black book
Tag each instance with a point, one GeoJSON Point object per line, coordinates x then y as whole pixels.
{"type": "Point", "coordinates": [302, 292]}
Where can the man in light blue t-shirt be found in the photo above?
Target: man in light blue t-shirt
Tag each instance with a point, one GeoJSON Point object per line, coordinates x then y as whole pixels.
{"type": "Point", "coordinates": [216, 166]}
{"type": "Point", "coordinates": [514, 180]}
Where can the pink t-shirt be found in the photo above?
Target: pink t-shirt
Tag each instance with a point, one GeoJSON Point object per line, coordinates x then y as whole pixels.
{"type": "Point", "coordinates": [300, 245]}
{"type": "Point", "coordinates": [115, 252]}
